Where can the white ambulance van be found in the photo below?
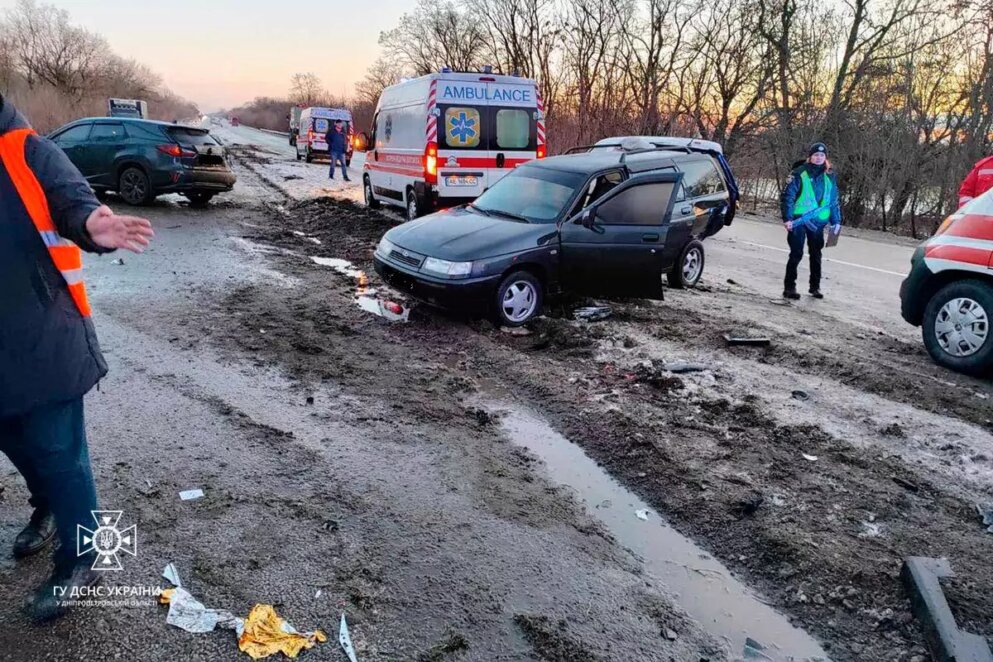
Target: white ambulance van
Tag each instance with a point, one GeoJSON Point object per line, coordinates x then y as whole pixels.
{"type": "Point", "coordinates": [315, 123]}
{"type": "Point", "coordinates": [441, 140]}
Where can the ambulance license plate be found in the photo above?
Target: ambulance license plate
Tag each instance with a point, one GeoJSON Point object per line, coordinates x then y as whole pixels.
{"type": "Point", "coordinates": [461, 180]}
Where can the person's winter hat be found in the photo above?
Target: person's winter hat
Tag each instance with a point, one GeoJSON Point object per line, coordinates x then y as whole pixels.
{"type": "Point", "coordinates": [817, 147]}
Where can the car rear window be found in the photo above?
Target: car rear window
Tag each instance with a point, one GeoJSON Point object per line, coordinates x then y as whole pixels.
{"type": "Point", "coordinates": [186, 136]}
{"type": "Point", "coordinates": [701, 178]}
{"type": "Point", "coordinates": [144, 131]}
{"type": "Point", "coordinates": [513, 128]}
{"type": "Point", "coordinates": [321, 125]}
{"type": "Point", "coordinates": [463, 127]}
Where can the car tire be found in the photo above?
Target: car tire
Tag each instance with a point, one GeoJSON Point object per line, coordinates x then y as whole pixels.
{"type": "Point", "coordinates": [688, 269]}
{"type": "Point", "coordinates": [370, 199]}
{"type": "Point", "coordinates": [412, 204]}
{"type": "Point", "coordinates": [199, 199]}
{"type": "Point", "coordinates": [518, 299]}
{"type": "Point", "coordinates": [310, 156]}
{"type": "Point", "coordinates": [964, 304]}
{"type": "Point", "coordinates": [134, 187]}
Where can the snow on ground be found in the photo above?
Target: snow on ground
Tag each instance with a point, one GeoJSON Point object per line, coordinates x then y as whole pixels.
{"type": "Point", "coordinates": [271, 157]}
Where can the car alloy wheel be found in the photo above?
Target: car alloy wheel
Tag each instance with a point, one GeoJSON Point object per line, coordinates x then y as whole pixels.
{"type": "Point", "coordinates": [519, 301]}
{"type": "Point", "coordinates": [961, 327]}
{"type": "Point", "coordinates": [134, 186]}
{"type": "Point", "coordinates": [692, 265]}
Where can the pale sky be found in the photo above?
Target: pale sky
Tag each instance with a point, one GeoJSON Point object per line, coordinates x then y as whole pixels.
{"type": "Point", "coordinates": [220, 53]}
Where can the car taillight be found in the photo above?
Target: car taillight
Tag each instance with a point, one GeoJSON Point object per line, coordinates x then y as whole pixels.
{"type": "Point", "coordinates": [541, 151]}
{"type": "Point", "coordinates": [431, 163]}
{"type": "Point", "coordinates": [175, 150]}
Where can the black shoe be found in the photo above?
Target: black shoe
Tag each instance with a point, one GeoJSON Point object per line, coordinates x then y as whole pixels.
{"type": "Point", "coordinates": [347, 179]}
{"type": "Point", "coordinates": [36, 536]}
{"type": "Point", "coordinates": [816, 294]}
{"type": "Point", "coordinates": [48, 602]}
{"type": "Point", "coordinates": [791, 294]}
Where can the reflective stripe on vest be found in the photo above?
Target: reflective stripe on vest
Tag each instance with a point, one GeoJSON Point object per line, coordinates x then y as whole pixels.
{"type": "Point", "coordinates": [807, 202]}
{"type": "Point", "coordinates": [66, 255]}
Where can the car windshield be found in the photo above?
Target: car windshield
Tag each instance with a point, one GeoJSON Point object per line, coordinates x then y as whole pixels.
{"type": "Point", "coordinates": [530, 193]}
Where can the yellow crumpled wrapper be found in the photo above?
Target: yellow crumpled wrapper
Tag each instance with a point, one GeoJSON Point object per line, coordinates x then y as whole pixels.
{"type": "Point", "coordinates": [166, 595]}
{"type": "Point", "coordinates": [266, 633]}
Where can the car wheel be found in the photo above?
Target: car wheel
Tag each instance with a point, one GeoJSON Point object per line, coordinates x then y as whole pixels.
{"type": "Point", "coordinates": [370, 200]}
{"type": "Point", "coordinates": [413, 210]}
{"type": "Point", "coordinates": [134, 187]}
{"type": "Point", "coordinates": [956, 327]}
{"type": "Point", "coordinates": [310, 156]}
{"type": "Point", "coordinates": [199, 198]}
{"type": "Point", "coordinates": [518, 299]}
{"type": "Point", "coordinates": [689, 267]}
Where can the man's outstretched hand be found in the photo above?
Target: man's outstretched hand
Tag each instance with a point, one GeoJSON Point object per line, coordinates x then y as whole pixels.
{"type": "Point", "coordinates": [109, 230]}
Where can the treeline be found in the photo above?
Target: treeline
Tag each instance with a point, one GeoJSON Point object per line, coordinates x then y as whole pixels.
{"type": "Point", "coordinates": [306, 89]}
{"type": "Point", "coordinates": [900, 90]}
{"type": "Point", "coordinates": [55, 72]}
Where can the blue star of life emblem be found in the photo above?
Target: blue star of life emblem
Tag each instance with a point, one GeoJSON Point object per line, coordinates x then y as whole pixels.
{"type": "Point", "coordinates": [463, 128]}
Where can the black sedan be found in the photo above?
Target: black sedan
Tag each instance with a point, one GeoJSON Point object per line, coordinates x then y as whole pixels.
{"type": "Point", "coordinates": [141, 158]}
{"type": "Point", "coordinates": [595, 223]}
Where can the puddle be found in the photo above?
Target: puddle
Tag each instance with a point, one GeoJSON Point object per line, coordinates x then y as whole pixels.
{"type": "Point", "coordinates": [365, 297]}
{"type": "Point", "coordinates": [387, 309]}
{"type": "Point", "coordinates": [343, 267]}
{"type": "Point", "coordinates": [701, 585]}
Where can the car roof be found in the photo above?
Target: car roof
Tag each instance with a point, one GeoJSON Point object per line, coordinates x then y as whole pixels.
{"type": "Point", "coordinates": [594, 161]}
{"type": "Point", "coordinates": [136, 120]}
{"type": "Point", "coordinates": [662, 141]}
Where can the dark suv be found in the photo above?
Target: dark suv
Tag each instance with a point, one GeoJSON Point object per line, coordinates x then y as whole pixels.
{"type": "Point", "coordinates": [141, 159]}
{"type": "Point", "coordinates": [601, 222]}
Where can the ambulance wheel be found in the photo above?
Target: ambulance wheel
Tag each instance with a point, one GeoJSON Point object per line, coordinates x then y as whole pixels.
{"type": "Point", "coordinates": [688, 269]}
{"type": "Point", "coordinates": [413, 205]}
{"type": "Point", "coordinates": [370, 200]}
{"type": "Point", "coordinates": [134, 187]}
{"type": "Point", "coordinates": [310, 155]}
{"type": "Point", "coordinates": [956, 327]}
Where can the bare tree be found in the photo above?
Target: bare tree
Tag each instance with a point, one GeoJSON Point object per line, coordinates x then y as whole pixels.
{"type": "Point", "coordinates": [307, 89]}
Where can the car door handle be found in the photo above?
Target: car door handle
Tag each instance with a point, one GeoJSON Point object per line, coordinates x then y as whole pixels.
{"type": "Point", "coordinates": [649, 237]}
{"type": "Point", "coordinates": [686, 210]}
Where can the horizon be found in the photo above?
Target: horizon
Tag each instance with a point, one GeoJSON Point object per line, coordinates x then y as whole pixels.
{"type": "Point", "coordinates": [223, 34]}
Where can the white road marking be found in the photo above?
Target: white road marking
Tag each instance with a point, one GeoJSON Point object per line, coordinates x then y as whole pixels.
{"type": "Point", "coordinates": [828, 259]}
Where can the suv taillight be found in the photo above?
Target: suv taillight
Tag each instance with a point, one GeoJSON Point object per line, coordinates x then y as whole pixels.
{"type": "Point", "coordinates": [175, 150]}
{"type": "Point", "coordinates": [431, 163]}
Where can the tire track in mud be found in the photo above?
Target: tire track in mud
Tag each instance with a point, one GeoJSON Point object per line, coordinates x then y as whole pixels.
{"type": "Point", "coordinates": [826, 538]}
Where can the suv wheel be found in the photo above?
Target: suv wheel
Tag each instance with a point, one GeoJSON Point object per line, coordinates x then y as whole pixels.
{"type": "Point", "coordinates": [370, 200]}
{"type": "Point", "coordinates": [956, 327]}
{"type": "Point", "coordinates": [518, 299]}
{"type": "Point", "coordinates": [199, 198]}
{"type": "Point", "coordinates": [688, 270]}
{"type": "Point", "coordinates": [134, 187]}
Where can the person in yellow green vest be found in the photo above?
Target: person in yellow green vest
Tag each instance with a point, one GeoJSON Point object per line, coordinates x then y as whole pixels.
{"type": "Point", "coordinates": [809, 204]}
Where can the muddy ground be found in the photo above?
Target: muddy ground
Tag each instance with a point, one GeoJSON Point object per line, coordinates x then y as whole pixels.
{"type": "Point", "coordinates": [720, 453]}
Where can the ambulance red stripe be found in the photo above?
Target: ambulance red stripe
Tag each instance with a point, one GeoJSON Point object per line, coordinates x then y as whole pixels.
{"type": "Point", "coordinates": [972, 226]}
{"type": "Point", "coordinates": [966, 254]}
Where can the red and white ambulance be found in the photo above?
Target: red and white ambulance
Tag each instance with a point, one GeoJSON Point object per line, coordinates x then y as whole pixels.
{"type": "Point", "coordinates": [442, 139]}
{"type": "Point", "coordinates": [949, 291]}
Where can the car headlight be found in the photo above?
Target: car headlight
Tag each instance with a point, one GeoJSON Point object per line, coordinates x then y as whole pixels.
{"type": "Point", "coordinates": [385, 247]}
{"type": "Point", "coordinates": [447, 269]}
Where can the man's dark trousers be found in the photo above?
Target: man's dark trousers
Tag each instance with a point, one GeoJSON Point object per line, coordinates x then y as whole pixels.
{"type": "Point", "coordinates": [48, 447]}
{"type": "Point", "coordinates": [338, 157]}
{"type": "Point", "coordinates": [815, 244]}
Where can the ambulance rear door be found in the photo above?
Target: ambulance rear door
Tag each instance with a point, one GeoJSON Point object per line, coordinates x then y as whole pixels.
{"type": "Point", "coordinates": [512, 118]}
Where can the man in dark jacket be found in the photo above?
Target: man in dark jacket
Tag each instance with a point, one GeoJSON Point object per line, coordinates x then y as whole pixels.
{"type": "Point", "coordinates": [337, 142]}
{"type": "Point", "coordinates": [49, 355]}
{"type": "Point", "coordinates": [808, 204]}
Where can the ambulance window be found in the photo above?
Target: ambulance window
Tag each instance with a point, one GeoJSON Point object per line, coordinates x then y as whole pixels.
{"type": "Point", "coordinates": [321, 125]}
{"type": "Point", "coordinates": [513, 128]}
{"type": "Point", "coordinates": [462, 127]}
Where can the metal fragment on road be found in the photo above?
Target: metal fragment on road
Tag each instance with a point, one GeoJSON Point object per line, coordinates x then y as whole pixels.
{"type": "Point", "coordinates": [345, 639]}
{"type": "Point", "coordinates": [809, 458]}
{"type": "Point", "coordinates": [592, 313]}
{"type": "Point", "coordinates": [748, 341]}
{"type": "Point", "coordinates": [190, 495]}
{"type": "Point", "coordinates": [680, 367]}
{"type": "Point", "coordinates": [641, 514]}
{"type": "Point", "coordinates": [802, 396]}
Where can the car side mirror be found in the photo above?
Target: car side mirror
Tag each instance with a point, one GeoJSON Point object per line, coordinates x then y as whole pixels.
{"type": "Point", "coordinates": [360, 143]}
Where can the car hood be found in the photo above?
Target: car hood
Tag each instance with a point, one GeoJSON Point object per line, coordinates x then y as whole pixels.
{"type": "Point", "coordinates": [460, 235]}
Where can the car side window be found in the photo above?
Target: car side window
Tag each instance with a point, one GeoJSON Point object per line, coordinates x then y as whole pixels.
{"type": "Point", "coordinates": [143, 131]}
{"type": "Point", "coordinates": [598, 187]}
{"type": "Point", "coordinates": [107, 133]}
{"type": "Point", "coordinates": [643, 204]}
{"type": "Point", "coordinates": [701, 178]}
{"type": "Point", "coordinates": [74, 135]}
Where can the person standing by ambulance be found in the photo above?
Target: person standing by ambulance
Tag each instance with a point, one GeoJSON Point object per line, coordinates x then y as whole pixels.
{"type": "Point", "coordinates": [49, 355]}
{"type": "Point", "coordinates": [337, 146]}
{"type": "Point", "coordinates": [978, 181]}
{"type": "Point", "coordinates": [808, 204]}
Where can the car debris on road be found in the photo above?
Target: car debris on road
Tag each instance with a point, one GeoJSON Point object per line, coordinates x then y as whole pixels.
{"type": "Point", "coordinates": [751, 341]}
{"type": "Point", "coordinates": [592, 313]}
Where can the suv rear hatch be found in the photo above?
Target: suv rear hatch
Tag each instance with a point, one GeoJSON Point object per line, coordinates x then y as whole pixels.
{"type": "Point", "coordinates": [209, 153]}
